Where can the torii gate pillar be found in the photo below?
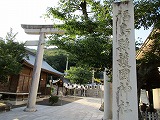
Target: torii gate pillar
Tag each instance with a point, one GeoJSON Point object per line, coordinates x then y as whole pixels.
{"type": "Point", "coordinates": [40, 30]}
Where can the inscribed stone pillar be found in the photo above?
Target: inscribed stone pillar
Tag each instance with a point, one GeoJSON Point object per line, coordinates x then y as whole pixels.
{"type": "Point", "coordinates": [125, 105]}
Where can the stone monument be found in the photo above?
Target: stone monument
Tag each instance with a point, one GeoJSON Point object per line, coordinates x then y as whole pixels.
{"type": "Point", "coordinates": [125, 106]}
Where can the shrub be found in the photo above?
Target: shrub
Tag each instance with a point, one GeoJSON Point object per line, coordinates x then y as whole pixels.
{"type": "Point", "coordinates": [53, 99]}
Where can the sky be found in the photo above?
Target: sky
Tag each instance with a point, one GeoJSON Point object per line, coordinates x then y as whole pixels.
{"type": "Point", "coordinates": [16, 12]}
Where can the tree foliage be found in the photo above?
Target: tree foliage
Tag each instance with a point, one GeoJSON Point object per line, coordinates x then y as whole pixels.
{"type": "Point", "coordinates": [88, 22]}
{"type": "Point", "coordinates": [147, 13]}
{"type": "Point", "coordinates": [79, 75]}
{"type": "Point", "coordinates": [11, 55]}
{"type": "Point", "coordinates": [57, 58]}
{"type": "Point", "coordinates": [87, 25]}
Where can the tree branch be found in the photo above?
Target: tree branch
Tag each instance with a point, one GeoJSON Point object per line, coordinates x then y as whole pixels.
{"type": "Point", "coordinates": [83, 5]}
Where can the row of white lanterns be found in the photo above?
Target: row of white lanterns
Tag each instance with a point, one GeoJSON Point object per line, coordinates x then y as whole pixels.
{"type": "Point", "coordinates": [77, 86]}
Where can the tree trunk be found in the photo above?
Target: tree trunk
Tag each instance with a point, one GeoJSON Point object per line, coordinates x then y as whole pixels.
{"type": "Point", "coordinates": [83, 5]}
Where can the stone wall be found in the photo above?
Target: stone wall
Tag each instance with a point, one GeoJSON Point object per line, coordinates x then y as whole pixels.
{"type": "Point", "coordinates": [94, 92]}
{"type": "Point", "coordinates": [89, 92]}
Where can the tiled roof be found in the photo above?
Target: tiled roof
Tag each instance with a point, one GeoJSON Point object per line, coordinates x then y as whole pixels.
{"type": "Point", "coordinates": [31, 58]}
{"type": "Point", "coordinates": [146, 46]}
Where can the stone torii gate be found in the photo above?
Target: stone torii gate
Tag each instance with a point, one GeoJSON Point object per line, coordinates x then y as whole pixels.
{"type": "Point", "coordinates": [41, 30]}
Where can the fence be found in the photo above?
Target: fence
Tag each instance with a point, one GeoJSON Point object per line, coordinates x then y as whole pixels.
{"type": "Point", "coordinates": [149, 116]}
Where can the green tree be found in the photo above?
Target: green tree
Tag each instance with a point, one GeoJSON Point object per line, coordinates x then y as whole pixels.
{"type": "Point", "coordinates": [87, 25]}
{"type": "Point", "coordinates": [58, 62]}
{"type": "Point", "coordinates": [84, 20]}
{"type": "Point", "coordinates": [11, 55]}
{"type": "Point", "coordinates": [79, 75]}
{"type": "Point", "coordinates": [57, 58]}
{"type": "Point", "coordinates": [147, 13]}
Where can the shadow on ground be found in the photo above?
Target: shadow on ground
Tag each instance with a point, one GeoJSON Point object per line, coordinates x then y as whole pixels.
{"type": "Point", "coordinates": [62, 101]}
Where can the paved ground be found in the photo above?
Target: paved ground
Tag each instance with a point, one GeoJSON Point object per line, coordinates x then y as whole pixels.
{"type": "Point", "coordinates": [83, 109]}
